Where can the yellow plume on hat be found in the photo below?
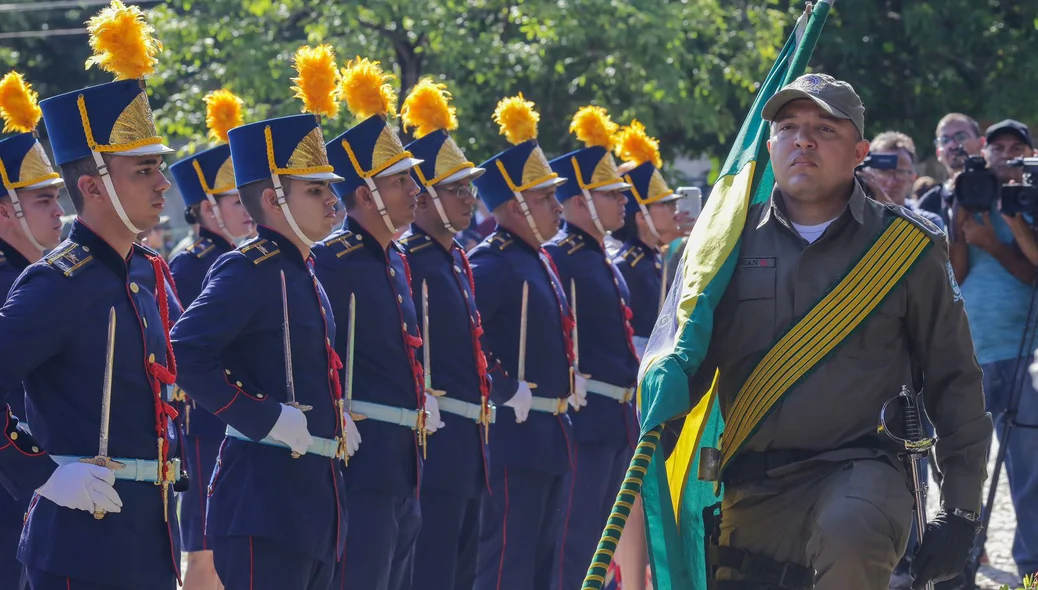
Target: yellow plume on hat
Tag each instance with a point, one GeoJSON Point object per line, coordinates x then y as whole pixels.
{"type": "Point", "coordinates": [634, 145]}
{"type": "Point", "coordinates": [317, 80]}
{"type": "Point", "coordinates": [517, 119]}
{"type": "Point", "coordinates": [19, 104]}
{"type": "Point", "coordinates": [122, 42]}
{"type": "Point", "coordinates": [222, 113]}
{"type": "Point", "coordinates": [428, 109]}
{"type": "Point", "coordinates": [593, 126]}
{"type": "Point", "coordinates": [367, 89]}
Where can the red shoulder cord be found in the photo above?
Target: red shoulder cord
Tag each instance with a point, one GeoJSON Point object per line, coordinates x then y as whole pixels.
{"type": "Point", "coordinates": [162, 374]}
{"type": "Point", "coordinates": [412, 342]}
{"type": "Point", "coordinates": [564, 309]}
{"type": "Point", "coordinates": [625, 311]}
{"type": "Point", "coordinates": [477, 334]}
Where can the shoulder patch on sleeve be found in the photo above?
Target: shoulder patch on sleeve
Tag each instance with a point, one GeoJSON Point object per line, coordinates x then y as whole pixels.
{"type": "Point", "coordinates": [259, 250]}
{"type": "Point", "coordinates": [70, 258]}
{"type": "Point", "coordinates": [201, 247]}
{"type": "Point", "coordinates": [956, 292]}
{"type": "Point", "coordinates": [499, 241]}
{"type": "Point", "coordinates": [571, 243]}
{"type": "Point", "coordinates": [344, 243]}
{"type": "Point", "coordinates": [917, 220]}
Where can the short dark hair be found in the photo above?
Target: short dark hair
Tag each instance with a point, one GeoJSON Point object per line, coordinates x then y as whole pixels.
{"type": "Point", "coordinates": [962, 119]}
{"type": "Point", "coordinates": [252, 195]}
{"type": "Point", "coordinates": [349, 200]}
{"type": "Point", "coordinates": [71, 172]}
{"type": "Point", "coordinates": [890, 141]}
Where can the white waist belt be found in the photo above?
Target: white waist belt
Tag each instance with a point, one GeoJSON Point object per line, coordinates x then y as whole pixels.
{"type": "Point", "coordinates": [146, 470]}
{"type": "Point", "coordinates": [325, 447]}
{"type": "Point", "coordinates": [551, 405]}
{"type": "Point", "coordinates": [465, 409]}
{"type": "Point", "coordinates": [620, 394]}
{"type": "Point", "coordinates": [383, 413]}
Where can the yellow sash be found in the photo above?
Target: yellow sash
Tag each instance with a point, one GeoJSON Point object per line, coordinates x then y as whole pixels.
{"type": "Point", "coordinates": [810, 341]}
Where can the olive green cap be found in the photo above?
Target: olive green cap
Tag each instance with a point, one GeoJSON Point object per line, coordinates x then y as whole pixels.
{"type": "Point", "coordinates": [831, 95]}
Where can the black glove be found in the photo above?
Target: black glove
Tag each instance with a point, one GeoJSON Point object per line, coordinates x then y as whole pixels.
{"type": "Point", "coordinates": [944, 550]}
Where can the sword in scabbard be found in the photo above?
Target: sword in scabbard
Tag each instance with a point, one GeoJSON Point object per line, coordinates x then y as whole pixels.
{"type": "Point", "coordinates": [102, 459]}
{"type": "Point", "coordinates": [286, 334]}
{"type": "Point", "coordinates": [914, 447]}
{"type": "Point", "coordinates": [521, 372]}
{"type": "Point", "coordinates": [351, 339]}
{"type": "Point", "coordinates": [575, 369]}
{"type": "Point", "coordinates": [426, 347]}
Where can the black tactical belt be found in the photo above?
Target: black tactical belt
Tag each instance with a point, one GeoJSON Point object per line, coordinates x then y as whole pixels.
{"type": "Point", "coordinates": [751, 466]}
{"type": "Point", "coordinates": [762, 573]}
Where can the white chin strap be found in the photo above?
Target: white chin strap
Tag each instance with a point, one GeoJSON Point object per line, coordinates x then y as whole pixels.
{"type": "Point", "coordinates": [594, 212]}
{"type": "Point", "coordinates": [219, 219]}
{"type": "Point", "coordinates": [382, 211]}
{"type": "Point", "coordinates": [280, 192]}
{"type": "Point", "coordinates": [648, 222]}
{"type": "Point", "coordinates": [21, 219]}
{"type": "Point", "coordinates": [529, 217]}
{"type": "Point", "coordinates": [439, 209]}
{"type": "Point", "coordinates": [102, 169]}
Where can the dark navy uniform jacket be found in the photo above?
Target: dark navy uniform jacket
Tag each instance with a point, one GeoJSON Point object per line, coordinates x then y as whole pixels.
{"type": "Point", "coordinates": [604, 335]}
{"type": "Point", "coordinates": [500, 265]}
{"type": "Point", "coordinates": [458, 452]}
{"type": "Point", "coordinates": [189, 269]}
{"type": "Point", "coordinates": [12, 263]}
{"type": "Point", "coordinates": [12, 511]}
{"type": "Point", "coordinates": [386, 368]}
{"type": "Point", "coordinates": [230, 349]}
{"type": "Point", "coordinates": [53, 334]}
{"type": "Point", "coordinates": [642, 268]}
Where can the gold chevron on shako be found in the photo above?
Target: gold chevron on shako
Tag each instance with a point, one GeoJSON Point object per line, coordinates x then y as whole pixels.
{"type": "Point", "coordinates": [536, 168]}
{"type": "Point", "coordinates": [387, 149]}
{"type": "Point", "coordinates": [225, 178]}
{"type": "Point", "coordinates": [36, 166]}
{"type": "Point", "coordinates": [135, 123]}
{"type": "Point", "coordinates": [310, 152]}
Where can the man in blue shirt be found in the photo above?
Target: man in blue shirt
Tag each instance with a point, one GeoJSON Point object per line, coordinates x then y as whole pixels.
{"type": "Point", "coordinates": [996, 281]}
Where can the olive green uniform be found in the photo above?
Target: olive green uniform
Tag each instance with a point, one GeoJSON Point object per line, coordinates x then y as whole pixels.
{"type": "Point", "coordinates": [845, 511]}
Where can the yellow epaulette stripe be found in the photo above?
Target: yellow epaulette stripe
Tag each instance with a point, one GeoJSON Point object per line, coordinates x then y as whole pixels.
{"type": "Point", "coordinates": [419, 247]}
{"type": "Point", "coordinates": [266, 256]}
{"type": "Point", "coordinates": [637, 259]}
{"type": "Point", "coordinates": [253, 245]}
{"type": "Point", "coordinates": [73, 268]}
{"type": "Point", "coordinates": [348, 250]}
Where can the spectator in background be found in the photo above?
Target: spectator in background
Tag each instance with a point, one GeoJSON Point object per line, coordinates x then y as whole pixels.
{"type": "Point", "coordinates": [996, 281]}
{"type": "Point", "coordinates": [921, 186]}
{"type": "Point", "coordinates": [897, 183]}
{"type": "Point", "coordinates": [954, 131]}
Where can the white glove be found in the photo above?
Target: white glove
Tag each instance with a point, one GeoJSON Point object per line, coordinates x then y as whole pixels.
{"type": "Point", "coordinates": [432, 418]}
{"type": "Point", "coordinates": [1034, 370]}
{"type": "Point", "coordinates": [291, 430]}
{"type": "Point", "coordinates": [579, 398]}
{"type": "Point", "coordinates": [352, 434]}
{"type": "Point", "coordinates": [521, 402]}
{"type": "Point", "coordinates": [82, 486]}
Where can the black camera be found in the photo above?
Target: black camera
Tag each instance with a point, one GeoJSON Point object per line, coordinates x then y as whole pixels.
{"type": "Point", "coordinates": [879, 162]}
{"type": "Point", "coordinates": [977, 188]}
{"type": "Point", "coordinates": [1022, 198]}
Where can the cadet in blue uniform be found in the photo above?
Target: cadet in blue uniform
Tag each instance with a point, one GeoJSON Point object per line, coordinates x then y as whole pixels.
{"type": "Point", "coordinates": [388, 399]}
{"type": "Point", "coordinates": [605, 427]}
{"type": "Point", "coordinates": [651, 214]}
{"type": "Point", "coordinates": [110, 155]}
{"type": "Point", "coordinates": [30, 223]}
{"type": "Point", "coordinates": [521, 520]}
{"type": "Point", "coordinates": [277, 512]}
{"type": "Point", "coordinates": [455, 477]}
{"type": "Point", "coordinates": [207, 185]}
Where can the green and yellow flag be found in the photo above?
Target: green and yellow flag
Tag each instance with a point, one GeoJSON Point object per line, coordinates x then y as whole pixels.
{"type": "Point", "coordinates": [673, 497]}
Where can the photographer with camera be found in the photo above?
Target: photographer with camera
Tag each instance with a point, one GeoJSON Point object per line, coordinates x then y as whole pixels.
{"type": "Point", "coordinates": [996, 281]}
{"type": "Point", "coordinates": [889, 171]}
{"type": "Point", "coordinates": [957, 137]}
